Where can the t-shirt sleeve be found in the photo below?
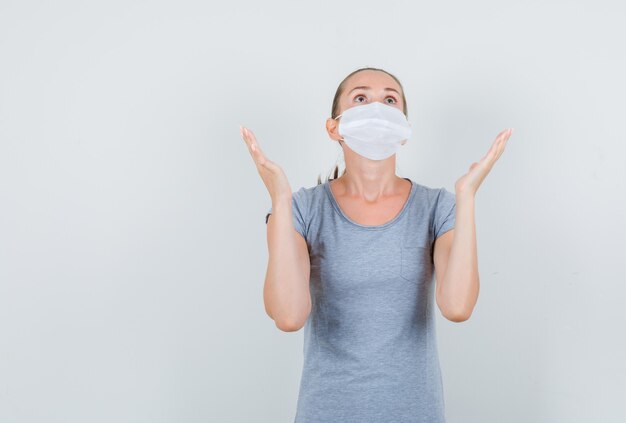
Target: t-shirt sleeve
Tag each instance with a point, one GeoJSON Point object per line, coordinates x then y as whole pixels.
{"type": "Point", "coordinates": [445, 212]}
{"type": "Point", "coordinates": [299, 204]}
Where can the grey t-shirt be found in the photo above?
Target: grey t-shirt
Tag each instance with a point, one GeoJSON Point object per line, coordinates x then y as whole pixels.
{"type": "Point", "coordinates": [370, 347]}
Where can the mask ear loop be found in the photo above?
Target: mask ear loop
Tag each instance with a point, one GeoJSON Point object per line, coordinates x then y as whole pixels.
{"type": "Point", "coordinates": [339, 153]}
{"type": "Point", "coordinates": [337, 117]}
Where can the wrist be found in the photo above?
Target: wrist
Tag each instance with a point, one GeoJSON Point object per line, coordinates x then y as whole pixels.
{"type": "Point", "coordinates": [282, 202]}
{"type": "Point", "coordinates": [465, 196]}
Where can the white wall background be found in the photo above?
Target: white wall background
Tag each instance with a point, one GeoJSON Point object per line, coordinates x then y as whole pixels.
{"type": "Point", "coordinates": [132, 234]}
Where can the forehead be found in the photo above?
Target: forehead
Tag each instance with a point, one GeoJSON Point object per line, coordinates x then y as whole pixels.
{"type": "Point", "coordinates": [375, 79]}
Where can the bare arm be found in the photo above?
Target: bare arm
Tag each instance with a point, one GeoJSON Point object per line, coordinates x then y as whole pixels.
{"type": "Point", "coordinates": [456, 265]}
{"type": "Point", "coordinates": [286, 291]}
{"type": "Point", "coordinates": [455, 256]}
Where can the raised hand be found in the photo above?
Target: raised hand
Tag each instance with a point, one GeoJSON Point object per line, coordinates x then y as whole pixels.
{"type": "Point", "coordinates": [478, 171]}
{"type": "Point", "coordinates": [272, 175]}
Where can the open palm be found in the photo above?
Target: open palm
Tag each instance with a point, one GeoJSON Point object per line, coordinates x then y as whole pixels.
{"type": "Point", "coordinates": [478, 171]}
{"type": "Point", "coordinates": [272, 174]}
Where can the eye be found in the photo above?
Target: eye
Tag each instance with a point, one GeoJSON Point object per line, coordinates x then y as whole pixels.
{"type": "Point", "coordinates": [389, 97]}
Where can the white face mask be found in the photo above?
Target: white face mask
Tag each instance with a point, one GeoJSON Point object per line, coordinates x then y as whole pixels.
{"type": "Point", "coordinates": [374, 130]}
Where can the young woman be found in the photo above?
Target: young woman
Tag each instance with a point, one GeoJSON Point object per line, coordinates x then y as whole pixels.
{"type": "Point", "coordinates": [352, 260]}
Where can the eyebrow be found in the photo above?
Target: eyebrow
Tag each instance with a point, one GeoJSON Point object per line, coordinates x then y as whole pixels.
{"type": "Point", "coordinates": [367, 88]}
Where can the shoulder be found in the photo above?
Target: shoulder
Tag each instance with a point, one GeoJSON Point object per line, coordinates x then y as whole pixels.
{"type": "Point", "coordinates": [307, 196]}
{"type": "Point", "coordinates": [435, 197]}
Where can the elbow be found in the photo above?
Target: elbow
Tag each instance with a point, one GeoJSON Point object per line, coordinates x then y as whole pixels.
{"type": "Point", "coordinates": [287, 325]}
{"type": "Point", "coordinates": [293, 322]}
{"type": "Point", "coordinates": [457, 316]}
{"type": "Point", "coordinates": [292, 319]}
{"type": "Point", "coordinates": [455, 311]}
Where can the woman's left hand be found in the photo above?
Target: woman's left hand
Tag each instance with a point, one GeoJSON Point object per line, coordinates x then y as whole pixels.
{"type": "Point", "coordinates": [469, 183]}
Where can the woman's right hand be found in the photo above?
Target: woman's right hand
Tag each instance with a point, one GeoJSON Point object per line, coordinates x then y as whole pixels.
{"type": "Point", "coordinates": [272, 174]}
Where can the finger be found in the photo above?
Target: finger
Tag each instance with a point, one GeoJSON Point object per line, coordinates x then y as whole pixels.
{"type": "Point", "coordinates": [246, 139]}
{"type": "Point", "coordinates": [496, 149]}
{"type": "Point", "coordinates": [257, 154]}
{"type": "Point", "coordinates": [503, 135]}
{"type": "Point", "coordinates": [491, 153]}
{"type": "Point", "coordinates": [253, 145]}
{"type": "Point", "coordinates": [261, 159]}
{"type": "Point", "coordinates": [497, 146]}
{"type": "Point", "coordinates": [503, 142]}
{"type": "Point", "coordinates": [245, 134]}
{"type": "Point", "coordinates": [502, 146]}
{"type": "Point", "coordinates": [507, 135]}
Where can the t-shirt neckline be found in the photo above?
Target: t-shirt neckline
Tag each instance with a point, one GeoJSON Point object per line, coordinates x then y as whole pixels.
{"type": "Point", "coordinates": [402, 212]}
